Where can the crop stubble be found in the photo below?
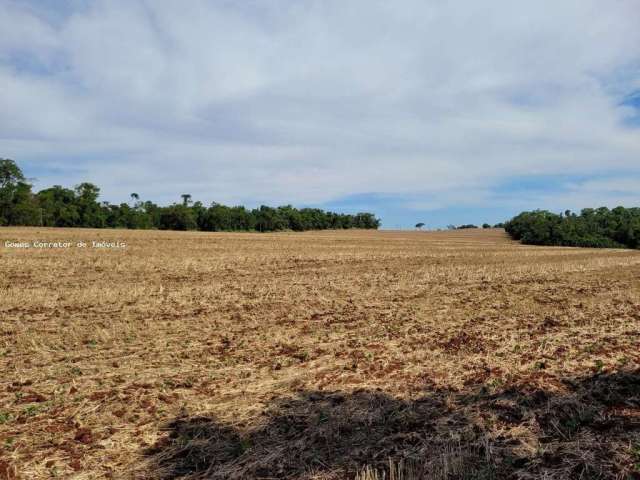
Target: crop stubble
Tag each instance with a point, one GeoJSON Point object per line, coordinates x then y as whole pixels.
{"type": "Point", "coordinates": [106, 353]}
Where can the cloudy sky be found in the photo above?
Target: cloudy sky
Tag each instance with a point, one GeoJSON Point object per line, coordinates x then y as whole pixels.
{"type": "Point", "coordinates": [435, 111]}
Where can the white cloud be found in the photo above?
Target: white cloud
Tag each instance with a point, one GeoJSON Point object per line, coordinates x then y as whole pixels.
{"type": "Point", "coordinates": [310, 101]}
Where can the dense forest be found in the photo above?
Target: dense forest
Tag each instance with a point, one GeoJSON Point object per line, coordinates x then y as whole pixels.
{"type": "Point", "coordinates": [79, 207]}
{"type": "Point", "coordinates": [600, 227]}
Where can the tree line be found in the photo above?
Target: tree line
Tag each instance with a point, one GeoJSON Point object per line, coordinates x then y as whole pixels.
{"type": "Point", "coordinates": [467, 226]}
{"type": "Point", "coordinates": [79, 207]}
{"type": "Point", "coordinates": [599, 227]}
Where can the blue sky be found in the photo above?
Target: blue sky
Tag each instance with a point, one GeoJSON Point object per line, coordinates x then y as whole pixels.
{"type": "Point", "coordinates": [439, 112]}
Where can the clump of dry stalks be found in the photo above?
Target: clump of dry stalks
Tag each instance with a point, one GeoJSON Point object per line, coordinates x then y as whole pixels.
{"type": "Point", "coordinates": [453, 461]}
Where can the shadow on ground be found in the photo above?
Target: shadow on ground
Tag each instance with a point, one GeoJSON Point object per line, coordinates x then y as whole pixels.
{"type": "Point", "coordinates": [591, 431]}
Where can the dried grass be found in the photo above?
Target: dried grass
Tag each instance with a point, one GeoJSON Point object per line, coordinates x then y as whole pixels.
{"type": "Point", "coordinates": [531, 350]}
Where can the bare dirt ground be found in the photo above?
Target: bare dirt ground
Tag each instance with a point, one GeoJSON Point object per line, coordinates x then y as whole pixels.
{"type": "Point", "coordinates": [317, 356]}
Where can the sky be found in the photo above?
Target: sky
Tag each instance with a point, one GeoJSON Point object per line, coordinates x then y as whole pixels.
{"type": "Point", "coordinates": [434, 111]}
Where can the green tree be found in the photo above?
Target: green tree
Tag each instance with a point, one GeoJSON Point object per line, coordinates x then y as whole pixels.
{"type": "Point", "coordinates": [24, 209]}
{"type": "Point", "coordinates": [268, 219]}
{"type": "Point", "coordinates": [10, 177]}
{"type": "Point", "coordinates": [177, 217]}
{"type": "Point", "coordinates": [58, 206]}
{"type": "Point", "coordinates": [90, 213]}
{"type": "Point", "coordinates": [135, 200]}
{"type": "Point", "coordinates": [292, 218]}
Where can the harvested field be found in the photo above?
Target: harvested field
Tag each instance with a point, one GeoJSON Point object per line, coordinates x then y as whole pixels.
{"type": "Point", "coordinates": [317, 356]}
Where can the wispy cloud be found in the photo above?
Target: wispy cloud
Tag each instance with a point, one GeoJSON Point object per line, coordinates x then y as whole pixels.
{"type": "Point", "coordinates": [436, 104]}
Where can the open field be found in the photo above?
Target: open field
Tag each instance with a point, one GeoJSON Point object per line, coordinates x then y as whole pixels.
{"type": "Point", "coordinates": [313, 355]}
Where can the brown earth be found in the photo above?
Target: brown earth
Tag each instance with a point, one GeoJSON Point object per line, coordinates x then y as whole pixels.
{"type": "Point", "coordinates": [320, 355]}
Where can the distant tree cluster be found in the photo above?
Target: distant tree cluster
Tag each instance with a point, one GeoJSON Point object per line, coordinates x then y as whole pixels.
{"type": "Point", "coordinates": [79, 207]}
{"type": "Point", "coordinates": [600, 227]}
{"type": "Point", "coordinates": [466, 226]}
